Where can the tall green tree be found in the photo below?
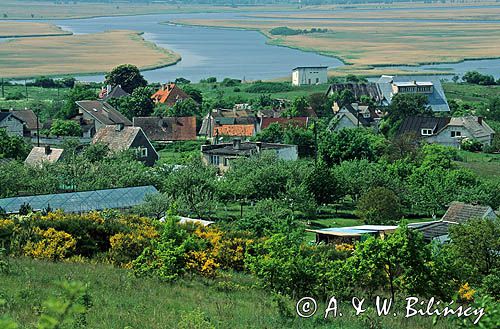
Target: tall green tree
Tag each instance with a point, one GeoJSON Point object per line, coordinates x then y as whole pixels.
{"type": "Point", "coordinates": [138, 104]}
{"type": "Point", "coordinates": [379, 206]}
{"type": "Point", "coordinates": [78, 93]}
{"type": "Point", "coordinates": [65, 128]}
{"type": "Point", "coordinates": [127, 76]}
{"type": "Point", "coordinates": [13, 147]}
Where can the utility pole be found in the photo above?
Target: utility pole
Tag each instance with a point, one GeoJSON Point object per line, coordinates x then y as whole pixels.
{"type": "Point", "coordinates": [26, 88]}
{"type": "Point", "coordinates": [315, 143]}
{"type": "Point", "coordinates": [3, 91]}
{"type": "Point", "coordinates": [37, 128]}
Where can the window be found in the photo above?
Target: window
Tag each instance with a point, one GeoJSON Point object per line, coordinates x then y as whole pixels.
{"type": "Point", "coordinates": [455, 133]}
{"type": "Point", "coordinates": [309, 81]}
{"type": "Point", "coordinates": [426, 132]}
{"type": "Point", "coordinates": [317, 80]}
{"type": "Point", "coordinates": [142, 152]}
{"type": "Point", "coordinates": [226, 162]}
{"type": "Point", "coordinates": [214, 159]}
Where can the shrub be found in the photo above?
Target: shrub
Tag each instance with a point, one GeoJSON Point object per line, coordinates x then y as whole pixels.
{"type": "Point", "coordinates": [195, 319]}
{"type": "Point", "coordinates": [53, 245]}
{"type": "Point", "coordinates": [125, 247]}
{"type": "Point", "coordinates": [269, 87]}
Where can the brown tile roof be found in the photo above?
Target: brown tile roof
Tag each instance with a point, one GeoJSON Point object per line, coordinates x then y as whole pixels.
{"type": "Point", "coordinates": [103, 112]}
{"type": "Point", "coordinates": [38, 155]}
{"type": "Point", "coordinates": [167, 128]}
{"type": "Point", "coordinates": [116, 140]}
{"type": "Point", "coordinates": [460, 212]}
{"type": "Point", "coordinates": [169, 94]}
{"type": "Point", "coordinates": [28, 117]}
{"type": "Point", "coordinates": [235, 130]}
{"type": "Point", "coordinates": [284, 122]}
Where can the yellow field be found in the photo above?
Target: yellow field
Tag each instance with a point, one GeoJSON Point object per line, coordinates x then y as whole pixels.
{"type": "Point", "coordinates": [359, 40]}
{"type": "Point", "coordinates": [17, 9]}
{"type": "Point", "coordinates": [89, 53]}
{"type": "Point", "coordinates": [21, 29]}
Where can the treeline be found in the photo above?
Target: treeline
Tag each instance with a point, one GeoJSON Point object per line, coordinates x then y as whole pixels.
{"type": "Point", "coordinates": [284, 30]}
{"type": "Point", "coordinates": [477, 78]}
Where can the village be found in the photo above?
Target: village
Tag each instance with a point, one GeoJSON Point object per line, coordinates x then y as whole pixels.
{"type": "Point", "coordinates": [335, 163]}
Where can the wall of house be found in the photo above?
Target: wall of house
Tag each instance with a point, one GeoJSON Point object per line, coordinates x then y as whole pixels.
{"type": "Point", "coordinates": [13, 126]}
{"type": "Point", "coordinates": [444, 137]}
{"type": "Point", "coordinates": [344, 122]}
{"type": "Point", "coordinates": [288, 153]}
{"type": "Point", "coordinates": [309, 76]}
{"type": "Point", "coordinates": [141, 141]}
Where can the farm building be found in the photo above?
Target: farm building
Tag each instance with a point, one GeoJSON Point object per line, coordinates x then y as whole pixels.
{"type": "Point", "coordinates": [309, 75]}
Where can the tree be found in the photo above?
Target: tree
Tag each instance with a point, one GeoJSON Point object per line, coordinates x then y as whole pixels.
{"type": "Point", "coordinates": [400, 262]}
{"type": "Point", "coordinates": [78, 93]}
{"type": "Point", "coordinates": [475, 77]}
{"type": "Point", "coordinates": [155, 206]}
{"type": "Point", "coordinates": [406, 105]}
{"type": "Point", "coordinates": [321, 104]}
{"type": "Point", "coordinates": [194, 93]}
{"type": "Point", "coordinates": [138, 104]}
{"type": "Point", "coordinates": [350, 144]}
{"type": "Point", "coordinates": [14, 147]}
{"type": "Point", "coordinates": [476, 243]}
{"type": "Point", "coordinates": [65, 128]}
{"type": "Point", "coordinates": [379, 206]}
{"type": "Point", "coordinates": [127, 76]}
{"type": "Point", "coordinates": [298, 108]}
{"type": "Point", "coordinates": [324, 185]}
{"type": "Point", "coordinates": [274, 133]}
{"type": "Point", "coordinates": [183, 108]}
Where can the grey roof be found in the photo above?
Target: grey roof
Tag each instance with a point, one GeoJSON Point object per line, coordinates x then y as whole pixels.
{"type": "Point", "coordinates": [437, 100]}
{"type": "Point", "coordinates": [4, 115]}
{"type": "Point", "coordinates": [116, 92]}
{"type": "Point", "coordinates": [39, 155]}
{"type": "Point", "coordinates": [369, 89]}
{"type": "Point", "coordinates": [103, 112]}
{"type": "Point", "coordinates": [477, 127]}
{"type": "Point", "coordinates": [117, 140]}
{"type": "Point", "coordinates": [28, 117]}
{"type": "Point", "coordinates": [432, 230]}
{"type": "Point", "coordinates": [416, 124]}
{"type": "Point", "coordinates": [118, 198]}
{"type": "Point", "coordinates": [459, 212]}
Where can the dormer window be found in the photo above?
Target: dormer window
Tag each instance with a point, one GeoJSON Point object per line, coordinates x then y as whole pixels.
{"type": "Point", "coordinates": [455, 133]}
{"type": "Point", "coordinates": [426, 132]}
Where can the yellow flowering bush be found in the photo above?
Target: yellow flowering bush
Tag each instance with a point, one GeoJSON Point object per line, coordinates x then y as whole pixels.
{"type": "Point", "coordinates": [53, 245]}
{"type": "Point", "coordinates": [125, 247]}
{"type": "Point", "coordinates": [466, 293]}
{"type": "Point", "coordinates": [344, 247]}
{"type": "Point", "coordinates": [202, 262]}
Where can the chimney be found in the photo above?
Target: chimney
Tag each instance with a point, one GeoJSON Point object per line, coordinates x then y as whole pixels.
{"type": "Point", "coordinates": [47, 150]}
{"type": "Point", "coordinates": [480, 120]}
{"type": "Point", "coordinates": [236, 143]}
{"type": "Point", "coordinates": [258, 145]}
{"type": "Point", "coordinates": [119, 126]}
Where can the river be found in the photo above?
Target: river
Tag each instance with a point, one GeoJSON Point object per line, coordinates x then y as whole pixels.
{"type": "Point", "coordinates": [218, 52]}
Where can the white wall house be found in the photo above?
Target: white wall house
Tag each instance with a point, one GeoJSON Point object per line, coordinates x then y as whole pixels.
{"type": "Point", "coordinates": [309, 75]}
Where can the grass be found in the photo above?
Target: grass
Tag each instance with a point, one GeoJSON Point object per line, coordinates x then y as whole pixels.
{"type": "Point", "coordinates": [360, 38]}
{"type": "Point", "coordinates": [25, 29]}
{"type": "Point", "coordinates": [487, 166]}
{"type": "Point", "coordinates": [470, 92]}
{"type": "Point", "coordinates": [122, 301]}
{"type": "Point", "coordinates": [89, 53]}
{"type": "Point", "coordinates": [178, 153]}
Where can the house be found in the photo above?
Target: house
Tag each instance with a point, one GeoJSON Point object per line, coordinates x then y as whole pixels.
{"type": "Point", "coordinates": [300, 122]}
{"type": "Point", "coordinates": [110, 92]}
{"type": "Point", "coordinates": [222, 118]}
{"type": "Point", "coordinates": [355, 116]}
{"type": "Point", "coordinates": [339, 235]}
{"type": "Point", "coordinates": [167, 129]}
{"type": "Point", "coordinates": [12, 124]}
{"type": "Point", "coordinates": [392, 85]}
{"type": "Point", "coordinates": [221, 155]}
{"type": "Point", "coordinates": [31, 122]}
{"type": "Point", "coordinates": [95, 115]}
{"type": "Point", "coordinates": [368, 89]}
{"type": "Point", "coordinates": [386, 87]}
{"type": "Point", "coordinates": [169, 94]}
{"type": "Point", "coordinates": [121, 138]}
{"type": "Point", "coordinates": [448, 131]}
{"type": "Point", "coordinates": [459, 212]}
{"type": "Point", "coordinates": [40, 155]}
{"type": "Point", "coordinates": [80, 202]}
{"type": "Point", "coordinates": [309, 75]}
{"type": "Point", "coordinates": [434, 230]}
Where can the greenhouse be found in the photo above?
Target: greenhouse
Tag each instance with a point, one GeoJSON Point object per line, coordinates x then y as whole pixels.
{"type": "Point", "coordinates": [77, 202]}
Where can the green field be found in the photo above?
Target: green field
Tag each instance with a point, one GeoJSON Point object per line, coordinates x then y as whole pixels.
{"type": "Point", "coordinates": [121, 301]}
{"type": "Point", "coordinates": [469, 92]}
{"type": "Point", "coordinates": [485, 165]}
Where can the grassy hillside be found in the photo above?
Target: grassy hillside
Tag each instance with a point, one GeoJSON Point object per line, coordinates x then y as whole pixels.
{"type": "Point", "coordinates": [469, 92]}
{"type": "Point", "coordinates": [121, 301]}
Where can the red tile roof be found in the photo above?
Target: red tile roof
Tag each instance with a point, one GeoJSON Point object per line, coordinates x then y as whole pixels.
{"type": "Point", "coordinates": [169, 94]}
{"type": "Point", "coordinates": [235, 130]}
